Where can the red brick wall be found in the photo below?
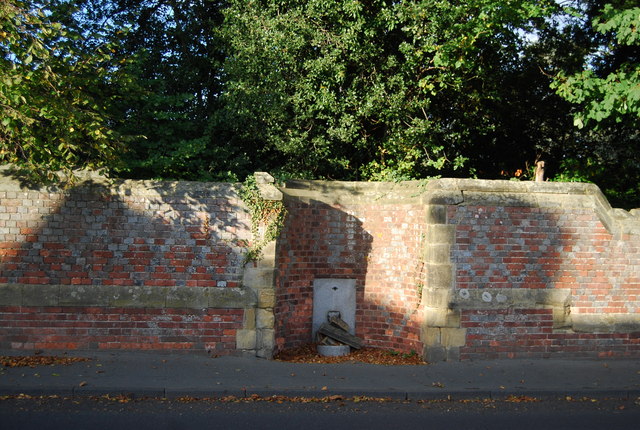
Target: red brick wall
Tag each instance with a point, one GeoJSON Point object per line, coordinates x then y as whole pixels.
{"type": "Point", "coordinates": [529, 241]}
{"type": "Point", "coordinates": [92, 236]}
{"type": "Point", "coordinates": [529, 333]}
{"type": "Point", "coordinates": [545, 248]}
{"type": "Point", "coordinates": [379, 245]}
{"type": "Point", "coordinates": [532, 242]}
{"type": "Point", "coordinates": [147, 235]}
{"type": "Point", "coordinates": [522, 247]}
{"type": "Point", "coordinates": [68, 327]}
{"type": "Point", "coordinates": [395, 277]}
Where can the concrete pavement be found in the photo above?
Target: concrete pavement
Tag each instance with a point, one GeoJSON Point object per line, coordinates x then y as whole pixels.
{"type": "Point", "coordinates": [153, 374]}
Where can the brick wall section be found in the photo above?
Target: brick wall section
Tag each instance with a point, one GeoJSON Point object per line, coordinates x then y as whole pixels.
{"type": "Point", "coordinates": [457, 269]}
{"type": "Point", "coordinates": [521, 247]}
{"type": "Point", "coordinates": [336, 234]}
{"type": "Point", "coordinates": [390, 317]}
{"type": "Point", "coordinates": [530, 333]}
{"type": "Point", "coordinates": [505, 269]}
{"type": "Point", "coordinates": [563, 248]}
{"type": "Point", "coordinates": [125, 265]}
{"type": "Point", "coordinates": [67, 328]}
{"type": "Point", "coordinates": [134, 235]}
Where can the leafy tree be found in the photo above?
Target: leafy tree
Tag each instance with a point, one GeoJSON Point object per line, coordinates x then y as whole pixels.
{"type": "Point", "coordinates": [144, 76]}
{"type": "Point", "coordinates": [171, 111]}
{"type": "Point", "coordinates": [343, 89]}
{"type": "Point", "coordinates": [373, 89]}
{"type": "Point", "coordinates": [608, 92]}
{"type": "Point", "coordinates": [604, 88]}
{"type": "Point", "coordinates": [52, 93]}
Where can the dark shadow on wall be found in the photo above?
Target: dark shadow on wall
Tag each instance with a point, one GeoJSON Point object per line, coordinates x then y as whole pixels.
{"type": "Point", "coordinates": [318, 241]}
{"type": "Point", "coordinates": [323, 240]}
{"type": "Point", "coordinates": [541, 281]}
{"type": "Point", "coordinates": [151, 234]}
{"type": "Point", "coordinates": [68, 249]}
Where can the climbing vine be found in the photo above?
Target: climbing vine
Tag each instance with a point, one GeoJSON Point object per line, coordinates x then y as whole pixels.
{"type": "Point", "coordinates": [267, 218]}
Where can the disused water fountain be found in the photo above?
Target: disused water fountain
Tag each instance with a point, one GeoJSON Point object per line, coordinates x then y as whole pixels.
{"type": "Point", "coordinates": [334, 316]}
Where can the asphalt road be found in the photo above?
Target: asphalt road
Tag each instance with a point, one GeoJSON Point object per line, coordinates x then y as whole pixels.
{"type": "Point", "coordinates": [123, 413]}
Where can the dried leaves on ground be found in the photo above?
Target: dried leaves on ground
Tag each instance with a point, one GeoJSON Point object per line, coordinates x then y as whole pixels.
{"type": "Point", "coordinates": [309, 354]}
{"type": "Point", "coordinates": [38, 360]}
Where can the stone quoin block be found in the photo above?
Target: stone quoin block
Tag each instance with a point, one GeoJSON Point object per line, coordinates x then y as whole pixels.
{"type": "Point", "coordinates": [264, 319]}
{"type": "Point", "coordinates": [246, 339]}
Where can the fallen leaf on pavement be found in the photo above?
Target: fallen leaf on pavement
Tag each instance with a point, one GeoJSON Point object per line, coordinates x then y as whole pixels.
{"type": "Point", "coordinates": [120, 398]}
{"type": "Point", "coordinates": [521, 399]}
{"type": "Point", "coordinates": [309, 354]}
{"type": "Point", "coordinates": [33, 361]}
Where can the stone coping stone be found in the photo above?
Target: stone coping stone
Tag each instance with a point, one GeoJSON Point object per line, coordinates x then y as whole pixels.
{"type": "Point", "coordinates": [10, 181]}
{"type": "Point", "coordinates": [452, 191]}
{"type": "Point", "coordinates": [127, 296]}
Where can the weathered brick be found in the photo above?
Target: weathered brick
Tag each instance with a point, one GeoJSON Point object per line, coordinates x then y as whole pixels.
{"type": "Point", "coordinates": [487, 237]}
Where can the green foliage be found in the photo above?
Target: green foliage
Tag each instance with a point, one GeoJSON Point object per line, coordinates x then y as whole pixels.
{"type": "Point", "coordinates": [618, 181]}
{"type": "Point", "coordinates": [572, 170]}
{"type": "Point", "coordinates": [171, 110]}
{"type": "Point", "coordinates": [623, 22]}
{"type": "Point", "coordinates": [53, 94]}
{"type": "Point", "coordinates": [371, 90]}
{"type": "Point", "coordinates": [615, 94]}
{"type": "Point", "coordinates": [604, 89]}
{"type": "Point", "coordinates": [341, 89]}
{"type": "Point", "coordinates": [267, 218]}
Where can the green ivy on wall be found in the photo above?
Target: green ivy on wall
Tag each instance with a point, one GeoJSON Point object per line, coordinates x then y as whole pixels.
{"type": "Point", "coordinates": [267, 218]}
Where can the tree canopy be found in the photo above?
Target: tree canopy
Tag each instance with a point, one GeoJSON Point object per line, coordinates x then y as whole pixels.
{"type": "Point", "coordinates": [609, 89]}
{"type": "Point", "coordinates": [605, 94]}
{"type": "Point", "coordinates": [375, 89]}
{"type": "Point", "coordinates": [54, 88]}
{"type": "Point", "coordinates": [341, 89]}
